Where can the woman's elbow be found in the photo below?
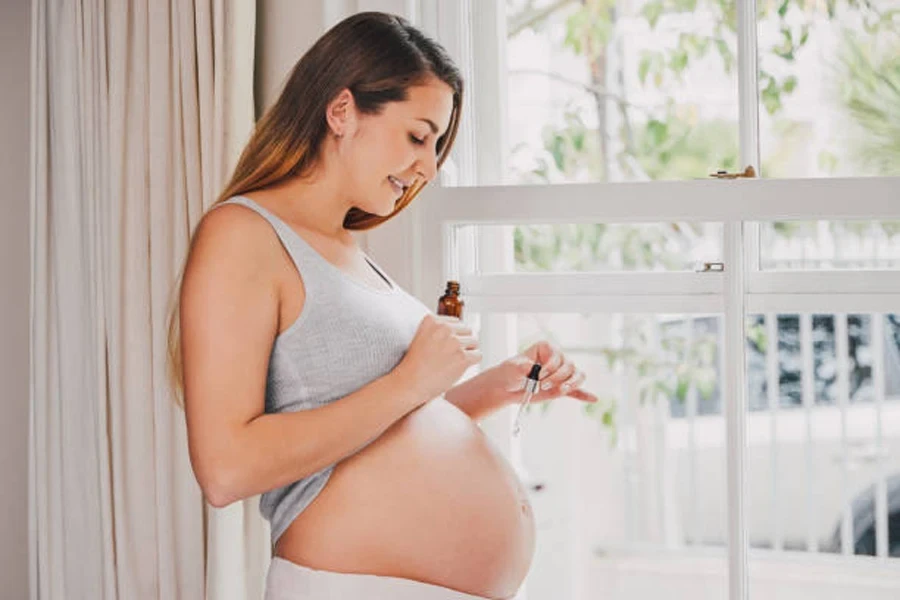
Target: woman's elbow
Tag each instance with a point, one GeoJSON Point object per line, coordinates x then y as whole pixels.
{"type": "Point", "coordinates": [218, 483]}
{"type": "Point", "coordinates": [217, 496]}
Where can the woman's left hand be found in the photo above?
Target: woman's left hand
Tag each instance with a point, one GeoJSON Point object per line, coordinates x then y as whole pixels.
{"type": "Point", "coordinates": [559, 376]}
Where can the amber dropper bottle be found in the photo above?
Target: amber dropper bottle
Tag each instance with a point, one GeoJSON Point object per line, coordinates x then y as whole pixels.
{"type": "Point", "coordinates": [450, 303]}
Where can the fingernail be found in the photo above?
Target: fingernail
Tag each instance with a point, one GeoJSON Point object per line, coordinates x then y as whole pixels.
{"type": "Point", "coordinates": [546, 385]}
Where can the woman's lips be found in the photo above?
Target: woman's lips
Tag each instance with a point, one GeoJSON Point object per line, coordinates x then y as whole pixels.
{"type": "Point", "coordinates": [398, 185]}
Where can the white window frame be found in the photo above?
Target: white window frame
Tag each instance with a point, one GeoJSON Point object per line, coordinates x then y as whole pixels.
{"type": "Point", "coordinates": [438, 254]}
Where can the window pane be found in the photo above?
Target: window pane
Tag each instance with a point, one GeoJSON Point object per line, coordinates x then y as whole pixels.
{"type": "Point", "coordinates": [814, 245]}
{"type": "Point", "coordinates": [829, 88]}
{"type": "Point", "coordinates": [620, 91]}
{"type": "Point", "coordinates": [625, 488]}
{"type": "Point", "coordinates": [606, 246]}
{"type": "Point", "coordinates": [813, 464]}
{"type": "Point", "coordinates": [632, 490]}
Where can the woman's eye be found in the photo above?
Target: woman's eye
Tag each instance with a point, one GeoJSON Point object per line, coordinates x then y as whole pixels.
{"type": "Point", "coordinates": [416, 140]}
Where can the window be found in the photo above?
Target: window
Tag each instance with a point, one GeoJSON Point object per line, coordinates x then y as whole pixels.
{"type": "Point", "coordinates": [619, 91]}
{"type": "Point", "coordinates": [829, 74]}
{"type": "Point", "coordinates": [741, 331]}
{"type": "Point", "coordinates": [831, 245]}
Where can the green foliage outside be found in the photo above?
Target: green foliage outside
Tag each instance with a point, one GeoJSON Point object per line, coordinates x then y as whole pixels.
{"type": "Point", "coordinates": [669, 142]}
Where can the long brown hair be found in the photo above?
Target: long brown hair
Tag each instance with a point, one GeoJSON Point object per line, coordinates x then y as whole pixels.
{"type": "Point", "coordinates": [378, 57]}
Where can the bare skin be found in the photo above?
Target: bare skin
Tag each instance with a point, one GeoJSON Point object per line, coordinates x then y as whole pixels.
{"type": "Point", "coordinates": [429, 498]}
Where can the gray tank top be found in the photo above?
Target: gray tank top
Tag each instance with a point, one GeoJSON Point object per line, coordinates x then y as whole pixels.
{"type": "Point", "coordinates": [347, 335]}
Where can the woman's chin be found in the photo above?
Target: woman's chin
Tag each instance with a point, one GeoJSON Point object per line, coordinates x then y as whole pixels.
{"type": "Point", "coordinates": [381, 209]}
{"type": "Point", "coordinates": [388, 209]}
{"type": "Point", "coordinates": [378, 211]}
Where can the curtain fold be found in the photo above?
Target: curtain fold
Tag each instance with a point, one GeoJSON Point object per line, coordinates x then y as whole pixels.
{"type": "Point", "coordinates": [141, 109]}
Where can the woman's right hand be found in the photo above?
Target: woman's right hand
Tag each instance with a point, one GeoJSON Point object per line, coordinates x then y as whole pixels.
{"type": "Point", "coordinates": [440, 352]}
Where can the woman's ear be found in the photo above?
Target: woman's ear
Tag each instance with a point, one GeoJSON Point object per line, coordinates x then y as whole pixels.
{"type": "Point", "coordinates": [341, 114]}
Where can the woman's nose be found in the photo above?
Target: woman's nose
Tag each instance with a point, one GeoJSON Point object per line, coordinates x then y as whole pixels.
{"type": "Point", "coordinates": [427, 167]}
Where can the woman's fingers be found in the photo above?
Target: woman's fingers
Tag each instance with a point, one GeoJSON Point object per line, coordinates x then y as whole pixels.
{"type": "Point", "coordinates": [573, 383]}
{"type": "Point", "coordinates": [462, 331]}
{"type": "Point", "coordinates": [558, 376]}
{"type": "Point", "coordinates": [545, 354]}
{"type": "Point", "coordinates": [582, 395]}
{"type": "Point", "coordinates": [552, 365]}
{"type": "Point", "coordinates": [459, 327]}
{"type": "Point", "coordinates": [468, 342]}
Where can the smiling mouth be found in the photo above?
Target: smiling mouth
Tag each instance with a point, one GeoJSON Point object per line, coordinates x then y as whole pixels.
{"type": "Point", "coordinates": [399, 186]}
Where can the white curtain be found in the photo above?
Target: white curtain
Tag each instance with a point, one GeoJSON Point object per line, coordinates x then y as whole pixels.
{"type": "Point", "coordinates": [140, 109]}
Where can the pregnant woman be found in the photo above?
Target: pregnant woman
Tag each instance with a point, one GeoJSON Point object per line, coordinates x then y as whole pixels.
{"type": "Point", "coordinates": [310, 377]}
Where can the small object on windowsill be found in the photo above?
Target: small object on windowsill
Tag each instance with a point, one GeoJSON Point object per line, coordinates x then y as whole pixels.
{"type": "Point", "coordinates": [709, 267]}
{"type": "Point", "coordinates": [749, 173]}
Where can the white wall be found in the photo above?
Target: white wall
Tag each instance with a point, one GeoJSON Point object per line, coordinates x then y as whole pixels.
{"type": "Point", "coordinates": [285, 29]}
{"type": "Point", "coordinates": [15, 33]}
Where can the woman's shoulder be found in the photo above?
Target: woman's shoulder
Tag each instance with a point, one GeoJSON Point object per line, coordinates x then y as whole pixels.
{"type": "Point", "coordinates": [234, 229]}
{"type": "Point", "coordinates": [232, 241]}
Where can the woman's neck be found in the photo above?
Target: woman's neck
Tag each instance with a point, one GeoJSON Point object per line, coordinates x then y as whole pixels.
{"type": "Point", "coordinates": [316, 203]}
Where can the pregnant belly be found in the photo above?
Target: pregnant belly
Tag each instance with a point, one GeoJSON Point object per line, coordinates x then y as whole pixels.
{"type": "Point", "coordinates": [431, 499]}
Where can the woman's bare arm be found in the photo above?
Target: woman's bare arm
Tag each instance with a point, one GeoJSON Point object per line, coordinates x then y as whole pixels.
{"type": "Point", "coordinates": [229, 320]}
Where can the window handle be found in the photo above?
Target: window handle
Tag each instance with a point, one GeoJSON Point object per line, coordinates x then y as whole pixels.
{"type": "Point", "coordinates": [710, 267]}
{"type": "Point", "coordinates": [749, 173]}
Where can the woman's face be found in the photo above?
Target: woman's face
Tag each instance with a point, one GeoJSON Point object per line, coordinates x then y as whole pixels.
{"type": "Point", "coordinates": [384, 153]}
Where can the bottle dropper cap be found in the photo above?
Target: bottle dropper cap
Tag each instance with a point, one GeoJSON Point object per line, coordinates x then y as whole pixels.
{"type": "Point", "coordinates": [535, 371]}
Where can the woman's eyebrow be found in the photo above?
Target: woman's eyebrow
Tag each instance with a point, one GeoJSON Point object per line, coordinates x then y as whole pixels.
{"type": "Point", "coordinates": [434, 128]}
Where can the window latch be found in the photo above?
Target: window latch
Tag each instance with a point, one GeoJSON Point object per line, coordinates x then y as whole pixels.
{"type": "Point", "coordinates": [710, 267]}
{"type": "Point", "coordinates": [749, 173]}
